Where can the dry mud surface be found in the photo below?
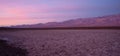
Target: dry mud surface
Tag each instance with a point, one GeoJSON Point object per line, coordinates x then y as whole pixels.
{"type": "Point", "coordinates": [66, 42]}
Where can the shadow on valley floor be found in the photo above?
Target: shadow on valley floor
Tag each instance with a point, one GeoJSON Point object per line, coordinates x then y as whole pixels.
{"type": "Point", "coordinates": [63, 28]}
{"type": "Point", "coordinates": [8, 50]}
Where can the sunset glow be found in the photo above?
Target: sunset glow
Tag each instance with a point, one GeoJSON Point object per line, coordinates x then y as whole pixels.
{"type": "Point", "coordinates": [17, 12]}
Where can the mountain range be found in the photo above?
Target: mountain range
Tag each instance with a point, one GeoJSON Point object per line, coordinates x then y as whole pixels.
{"type": "Point", "coordinates": [110, 20]}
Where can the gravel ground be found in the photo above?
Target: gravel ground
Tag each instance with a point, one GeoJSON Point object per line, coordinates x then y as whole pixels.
{"type": "Point", "coordinates": [66, 42]}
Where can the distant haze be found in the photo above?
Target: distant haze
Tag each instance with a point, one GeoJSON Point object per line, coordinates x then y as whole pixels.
{"type": "Point", "coordinates": [18, 12]}
{"type": "Point", "coordinates": [105, 21]}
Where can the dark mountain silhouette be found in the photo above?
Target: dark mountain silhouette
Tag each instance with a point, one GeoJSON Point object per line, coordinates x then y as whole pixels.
{"type": "Point", "coordinates": [111, 20]}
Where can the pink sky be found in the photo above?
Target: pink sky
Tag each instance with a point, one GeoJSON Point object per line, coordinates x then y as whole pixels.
{"type": "Point", "coordinates": [17, 12]}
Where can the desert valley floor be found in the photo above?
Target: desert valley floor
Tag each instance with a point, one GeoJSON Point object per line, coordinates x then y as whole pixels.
{"type": "Point", "coordinates": [65, 42]}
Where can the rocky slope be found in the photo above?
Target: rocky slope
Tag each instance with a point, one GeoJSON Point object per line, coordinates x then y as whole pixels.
{"type": "Point", "coordinates": [111, 20]}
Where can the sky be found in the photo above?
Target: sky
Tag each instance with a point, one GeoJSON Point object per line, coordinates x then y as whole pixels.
{"type": "Point", "coordinates": [18, 12]}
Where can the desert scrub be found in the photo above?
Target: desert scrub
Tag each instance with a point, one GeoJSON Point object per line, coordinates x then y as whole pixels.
{"type": "Point", "coordinates": [8, 50]}
{"type": "Point", "coordinates": [67, 42]}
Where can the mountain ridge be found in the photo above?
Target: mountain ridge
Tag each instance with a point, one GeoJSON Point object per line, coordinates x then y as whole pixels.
{"type": "Point", "coordinates": [110, 20]}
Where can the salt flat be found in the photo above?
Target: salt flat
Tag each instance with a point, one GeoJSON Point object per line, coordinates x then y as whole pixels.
{"type": "Point", "coordinates": [66, 42]}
